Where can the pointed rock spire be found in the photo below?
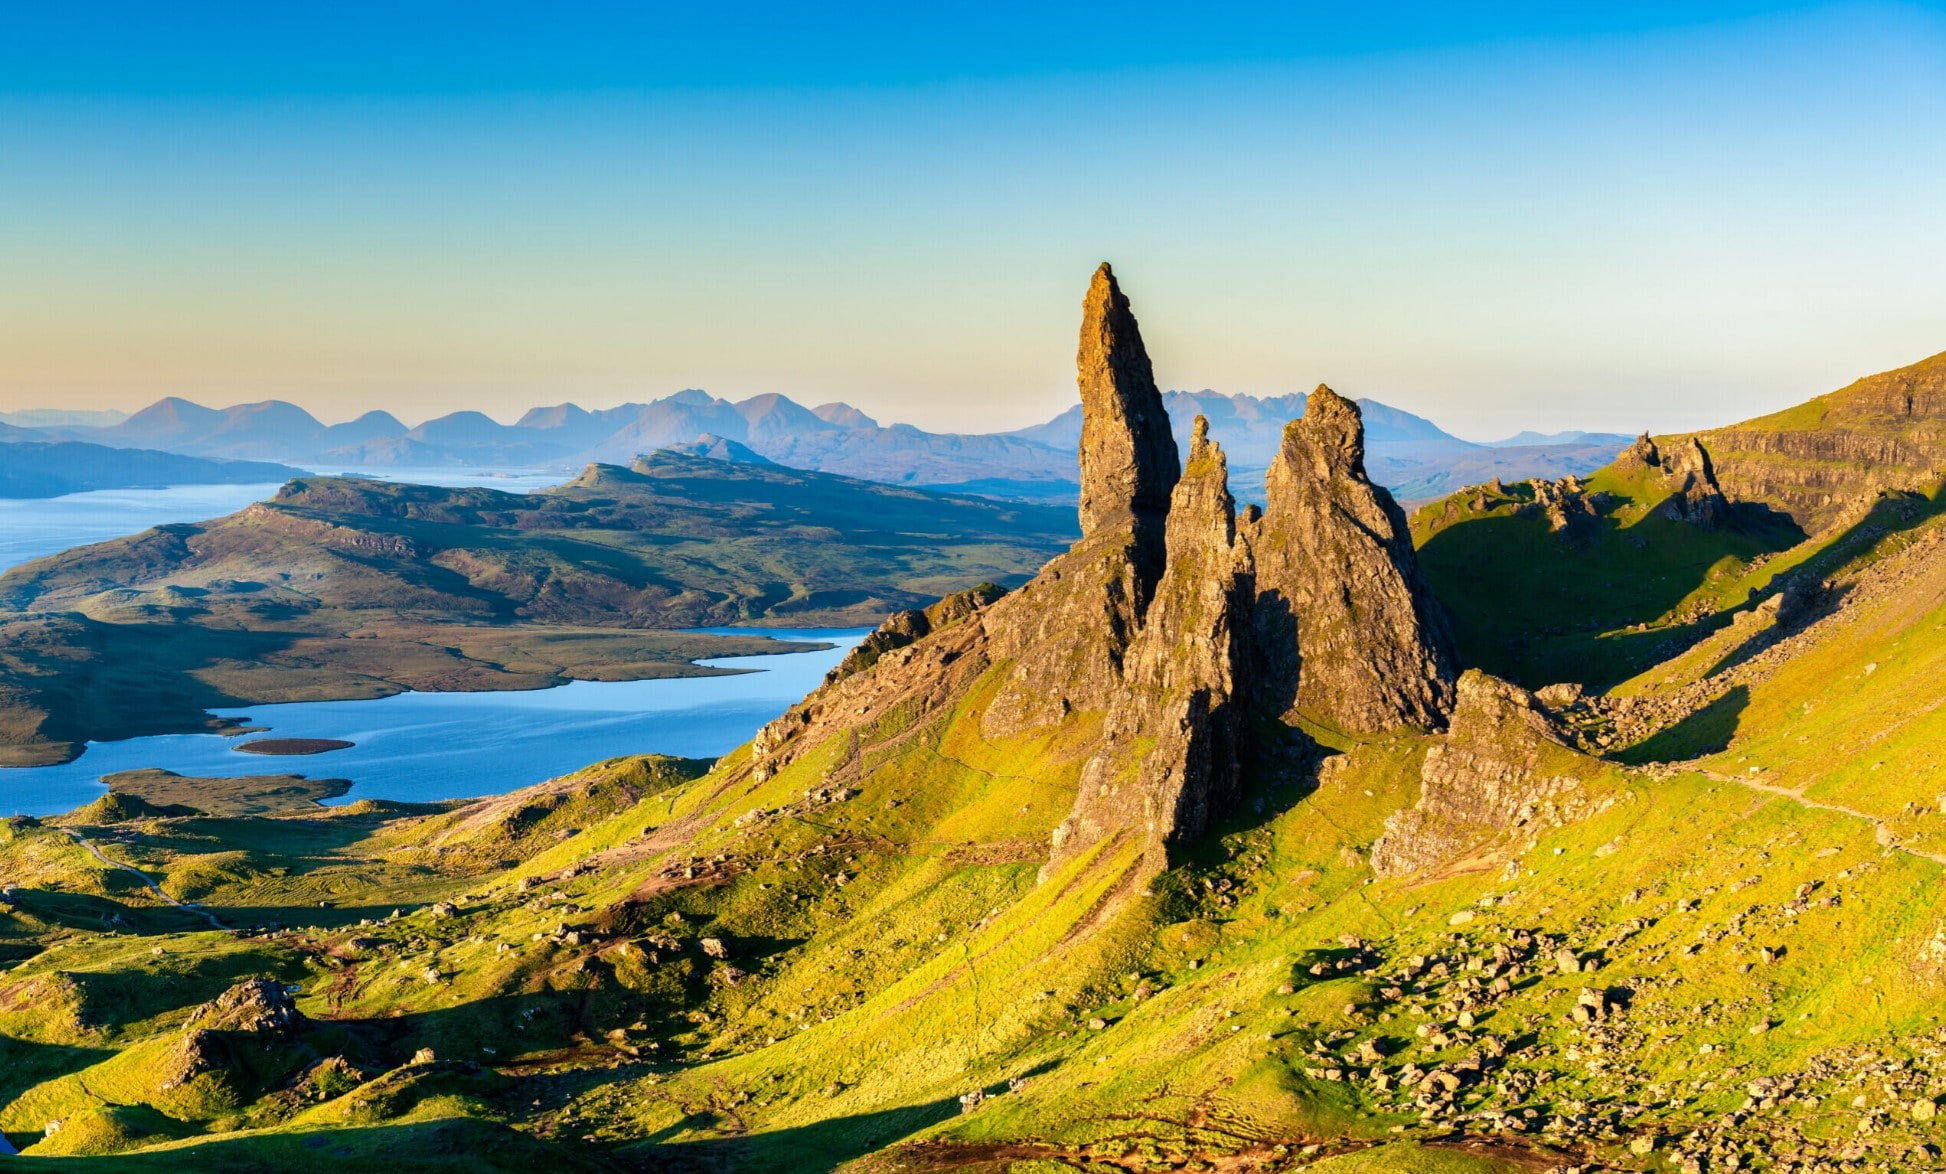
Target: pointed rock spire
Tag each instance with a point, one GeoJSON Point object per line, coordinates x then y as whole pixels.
{"type": "Point", "coordinates": [1078, 617]}
{"type": "Point", "coordinates": [1347, 630]}
{"type": "Point", "coordinates": [1128, 452]}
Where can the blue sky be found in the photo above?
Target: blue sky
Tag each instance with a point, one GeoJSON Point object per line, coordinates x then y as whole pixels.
{"type": "Point", "coordinates": [1503, 217]}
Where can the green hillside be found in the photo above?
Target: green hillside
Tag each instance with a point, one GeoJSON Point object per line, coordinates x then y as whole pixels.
{"type": "Point", "coordinates": [885, 951]}
{"type": "Point", "coordinates": [1100, 874]}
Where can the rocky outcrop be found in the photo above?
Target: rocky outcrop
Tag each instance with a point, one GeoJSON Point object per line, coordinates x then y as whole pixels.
{"type": "Point", "coordinates": [1685, 472]}
{"type": "Point", "coordinates": [1502, 770]}
{"type": "Point", "coordinates": [256, 1006]}
{"type": "Point", "coordinates": [231, 1034]}
{"type": "Point", "coordinates": [1160, 623]}
{"type": "Point", "coordinates": [1347, 631]}
{"type": "Point", "coordinates": [1169, 758]}
{"type": "Point", "coordinates": [1695, 496]}
{"type": "Point", "coordinates": [1566, 505]}
{"type": "Point", "coordinates": [905, 627]}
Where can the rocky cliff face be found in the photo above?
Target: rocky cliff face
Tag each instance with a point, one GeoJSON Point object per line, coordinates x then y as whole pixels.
{"type": "Point", "coordinates": [1159, 623]}
{"type": "Point", "coordinates": [1347, 632]}
{"type": "Point", "coordinates": [1886, 431]}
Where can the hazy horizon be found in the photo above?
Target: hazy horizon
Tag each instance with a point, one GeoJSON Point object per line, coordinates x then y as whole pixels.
{"type": "Point", "coordinates": [1499, 220]}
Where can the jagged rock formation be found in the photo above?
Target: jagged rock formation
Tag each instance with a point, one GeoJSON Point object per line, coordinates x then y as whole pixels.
{"type": "Point", "coordinates": [1159, 623]}
{"type": "Point", "coordinates": [905, 627]}
{"type": "Point", "coordinates": [1697, 498]}
{"type": "Point", "coordinates": [228, 1032]}
{"type": "Point", "coordinates": [1068, 630]}
{"type": "Point", "coordinates": [1566, 505]}
{"type": "Point", "coordinates": [1690, 475]}
{"type": "Point", "coordinates": [1347, 630]}
{"type": "Point", "coordinates": [255, 1006]}
{"type": "Point", "coordinates": [1170, 754]}
{"type": "Point", "coordinates": [1502, 770]}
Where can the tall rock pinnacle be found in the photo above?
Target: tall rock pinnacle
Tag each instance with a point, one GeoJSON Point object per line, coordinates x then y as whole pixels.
{"type": "Point", "coordinates": [1128, 452]}
{"type": "Point", "coordinates": [1068, 631]}
{"type": "Point", "coordinates": [1347, 631]}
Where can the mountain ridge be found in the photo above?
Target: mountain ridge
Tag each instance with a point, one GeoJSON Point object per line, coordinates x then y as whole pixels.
{"type": "Point", "coordinates": [1408, 452]}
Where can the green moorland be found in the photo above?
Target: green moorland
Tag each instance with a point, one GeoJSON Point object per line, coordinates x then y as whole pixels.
{"type": "Point", "coordinates": [1594, 602]}
{"type": "Point", "coordinates": [1720, 963]}
{"type": "Point", "coordinates": [348, 588]}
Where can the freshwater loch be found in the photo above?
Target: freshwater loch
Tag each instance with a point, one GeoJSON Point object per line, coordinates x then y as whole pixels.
{"type": "Point", "coordinates": [424, 747]}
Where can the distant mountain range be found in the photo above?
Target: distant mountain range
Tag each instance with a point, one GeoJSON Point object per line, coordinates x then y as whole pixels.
{"type": "Point", "coordinates": [1409, 454]}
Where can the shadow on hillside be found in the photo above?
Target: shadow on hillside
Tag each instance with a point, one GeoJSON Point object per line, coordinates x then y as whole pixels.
{"type": "Point", "coordinates": [1707, 731]}
{"type": "Point", "coordinates": [1537, 608]}
{"type": "Point", "coordinates": [540, 1027]}
{"type": "Point", "coordinates": [1281, 772]}
{"type": "Point", "coordinates": [821, 1146]}
{"type": "Point", "coordinates": [1275, 623]}
{"type": "Point", "coordinates": [137, 992]}
{"type": "Point", "coordinates": [25, 1063]}
{"type": "Point", "coordinates": [277, 918]}
{"type": "Point", "coordinates": [452, 1145]}
{"type": "Point", "coordinates": [299, 845]}
{"type": "Point", "coordinates": [83, 911]}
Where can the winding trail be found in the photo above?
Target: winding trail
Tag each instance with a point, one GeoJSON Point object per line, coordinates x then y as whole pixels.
{"type": "Point", "coordinates": [185, 906]}
{"type": "Point", "coordinates": [1882, 832]}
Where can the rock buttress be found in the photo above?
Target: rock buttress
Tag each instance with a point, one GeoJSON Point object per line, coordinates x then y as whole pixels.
{"type": "Point", "coordinates": [1347, 631]}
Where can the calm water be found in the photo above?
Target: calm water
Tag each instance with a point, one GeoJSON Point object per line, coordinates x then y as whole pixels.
{"type": "Point", "coordinates": [505, 480]}
{"type": "Point", "coordinates": [420, 747]}
{"type": "Point", "coordinates": [44, 526]}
